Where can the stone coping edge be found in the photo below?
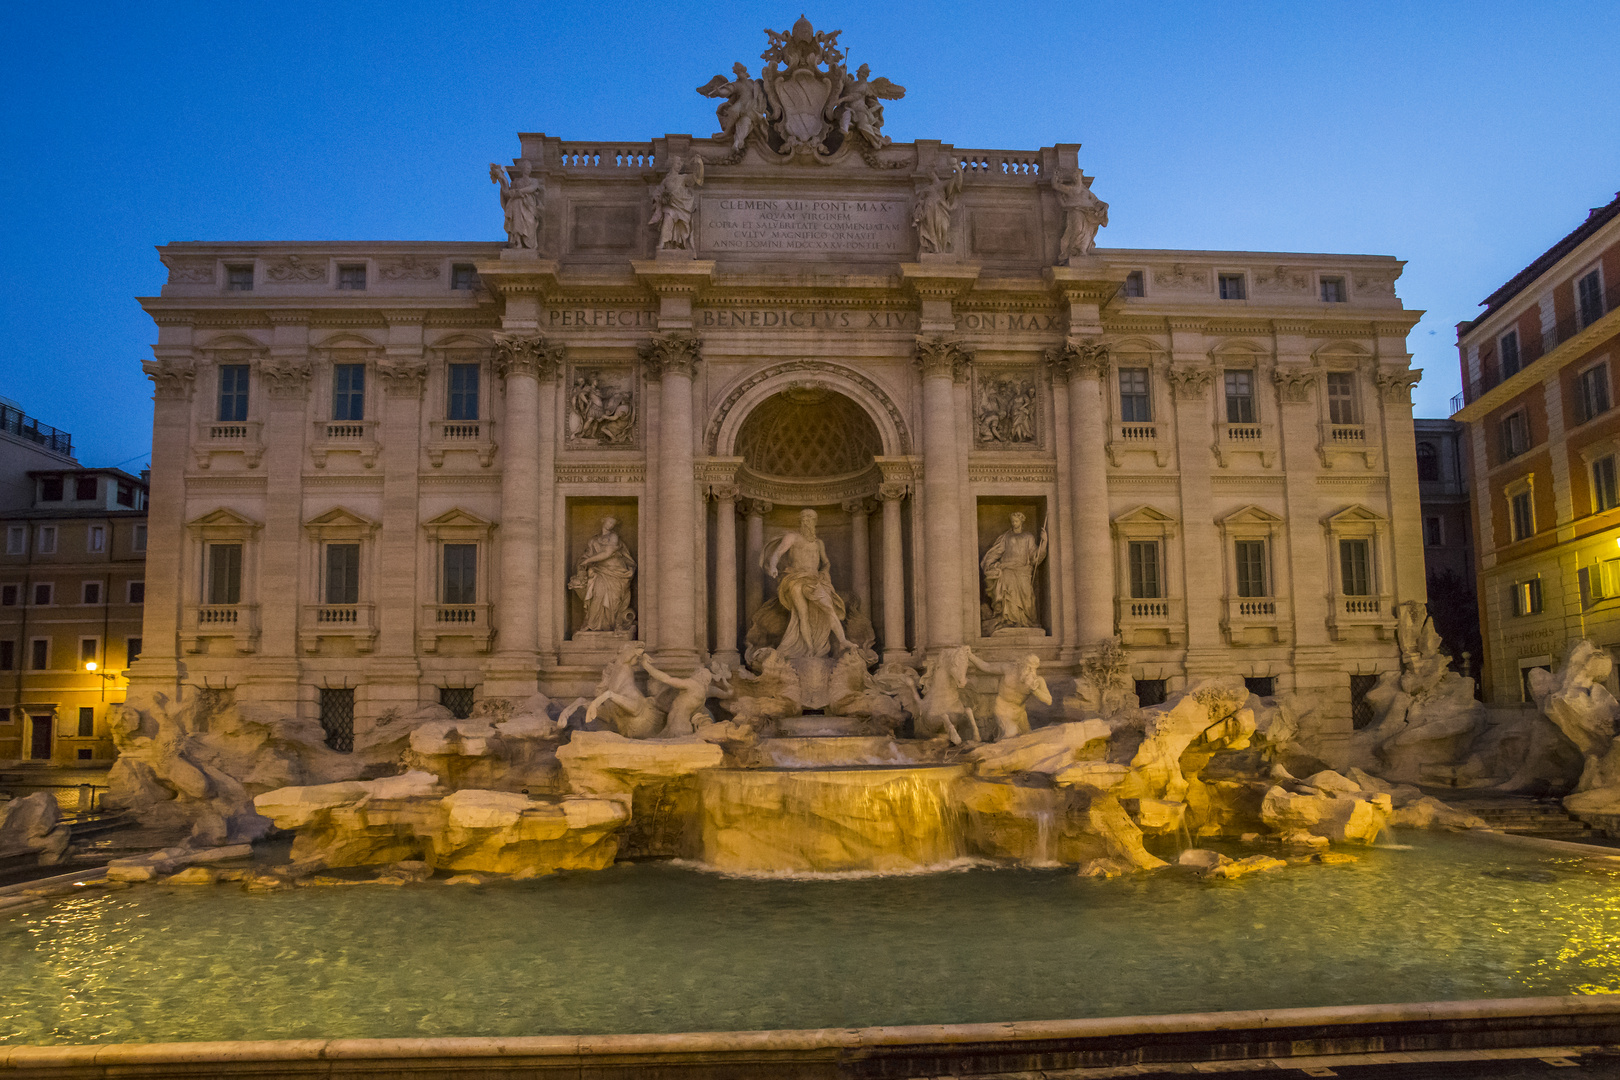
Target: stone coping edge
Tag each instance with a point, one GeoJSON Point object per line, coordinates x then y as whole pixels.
{"type": "Point", "coordinates": [822, 1042]}
{"type": "Point", "coordinates": [89, 874]}
{"type": "Point", "coordinates": [1543, 843]}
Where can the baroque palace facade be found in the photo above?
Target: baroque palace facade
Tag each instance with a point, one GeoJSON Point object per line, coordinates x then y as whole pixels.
{"type": "Point", "coordinates": [387, 474]}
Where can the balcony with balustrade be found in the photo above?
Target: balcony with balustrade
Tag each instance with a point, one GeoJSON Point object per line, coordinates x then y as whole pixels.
{"type": "Point", "coordinates": [1348, 442]}
{"type": "Point", "coordinates": [1362, 616]}
{"type": "Point", "coordinates": [1232, 439]}
{"type": "Point", "coordinates": [1151, 621]}
{"type": "Point", "coordinates": [1139, 437]}
{"type": "Point", "coordinates": [355, 623]}
{"type": "Point", "coordinates": [456, 621]}
{"type": "Point", "coordinates": [228, 437]}
{"type": "Point", "coordinates": [344, 436]}
{"type": "Point", "coordinates": [1255, 620]}
{"type": "Point", "coordinates": [203, 624]}
{"type": "Point", "coordinates": [469, 436]}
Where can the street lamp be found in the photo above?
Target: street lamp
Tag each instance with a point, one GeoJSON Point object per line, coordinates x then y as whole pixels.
{"type": "Point", "coordinates": [95, 669]}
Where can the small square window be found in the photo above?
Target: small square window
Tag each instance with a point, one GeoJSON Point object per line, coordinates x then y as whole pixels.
{"type": "Point", "coordinates": [352, 277]}
{"type": "Point", "coordinates": [137, 592]}
{"type": "Point", "coordinates": [90, 592]}
{"type": "Point", "coordinates": [458, 699]}
{"type": "Point", "coordinates": [86, 754]}
{"type": "Point", "coordinates": [1233, 287]}
{"type": "Point", "coordinates": [1134, 283]}
{"type": "Point", "coordinates": [43, 591]}
{"type": "Point", "coordinates": [137, 542]}
{"type": "Point", "coordinates": [1361, 706]}
{"type": "Point", "coordinates": [97, 538]}
{"type": "Point", "coordinates": [50, 489]}
{"type": "Point", "coordinates": [84, 488]}
{"type": "Point", "coordinates": [1333, 290]}
{"type": "Point", "coordinates": [1261, 685]}
{"type": "Point", "coordinates": [1527, 597]}
{"type": "Point", "coordinates": [47, 540]}
{"type": "Point", "coordinates": [464, 276]}
{"type": "Point", "coordinates": [1150, 692]}
{"type": "Point", "coordinates": [1508, 346]}
{"type": "Point", "coordinates": [239, 278]}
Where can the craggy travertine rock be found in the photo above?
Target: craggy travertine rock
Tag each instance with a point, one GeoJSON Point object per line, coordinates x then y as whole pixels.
{"type": "Point", "coordinates": [505, 833]}
{"type": "Point", "coordinates": [656, 778]}
{"type": "Point", "coordinates": [1201, 860]}
{"type": "Point", "coordinates": [1247, 866]}
{"type": "Point", "coordinates": [1110, 821]}
{"type": "Point", "coordinates": [1312, 819]}
{"type": "Point", "coordinates": [34, 823]}
{"type": "Point", "coordinates": [1211, 716]}
{"type": "Point", "coordinates": [1430, 813]}
{"type": "Point", "coordinates": [155, 864]}
{"type": "Point", "coordinates": [519, 754]}
{"type": "Point", "coordinates": [295, 807]}
{"type": "Point", "coordinates": [1046, 750]}
{"type": "Point", "coordinates": [1031, 825]}
{"type": "Point", "coordinates": [1575, 699]}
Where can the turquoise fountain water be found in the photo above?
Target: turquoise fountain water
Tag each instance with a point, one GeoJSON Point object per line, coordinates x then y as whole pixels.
{"type": "Point", "coordinates": [659, 947]}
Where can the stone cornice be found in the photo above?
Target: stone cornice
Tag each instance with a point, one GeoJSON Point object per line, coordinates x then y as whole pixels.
{"type": "Point", "coordinates": [517, 276]}
{"type": "Point", "coordinates": [939, 281]}
{"type": "Point", "coordinates": [674, 277]}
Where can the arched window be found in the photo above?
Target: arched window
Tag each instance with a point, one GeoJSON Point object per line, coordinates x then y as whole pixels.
{"type": "Point", "coordinates": [1428, 461]}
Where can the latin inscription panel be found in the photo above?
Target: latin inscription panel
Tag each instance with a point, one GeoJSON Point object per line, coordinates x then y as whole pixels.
{"type": "Point", "coordinates": [767, 226]}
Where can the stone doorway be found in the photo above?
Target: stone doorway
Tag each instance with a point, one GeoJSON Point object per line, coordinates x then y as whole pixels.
{"type": "Point", "coordinates": [40, 737]}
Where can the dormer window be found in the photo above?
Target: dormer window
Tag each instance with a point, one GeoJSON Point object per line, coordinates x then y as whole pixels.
{"type": "Point", "coordinates": [50, 489]}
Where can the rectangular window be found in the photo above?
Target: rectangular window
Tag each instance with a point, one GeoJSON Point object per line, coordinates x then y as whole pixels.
{"type": "Point", "coordinates": [1341, 388]}
{"type": "Point", "coordinates": [342, 573]}
{"type": "Point", "coordinates": [1150, 692]}
{"type": "Point", "coordinates": [239, 278]}
{"type": "Point", "coordinates": [1361, 707]}
{"type": "Point", "coordinates": [460, 574]}
{"type": "Point", "coordinates": [16, 539]}
{"type": "Point", "coordinates": [224, 573]}
{"type": "Point", "coordinates": [1133, 283]}
{"type": "Point", "coordinates": [1333, 290]}
{"type": "Point", "coordinates": [1239, 397]}
{"type": "Point", "coordinates": [137, 592]}
{"type": "Point", "coordinates": [233, 392]}
{"type": "Point", "coordinates": [132, 650]}
{"type": "Point", "coordinates": [1515, 434]}
{"type": "Point", "coordinates": [458, 699]}
{"type": "Point", "coordinates": [1434, 531]}
{"type": "Point", "coordinates": [1589, 296]}
{"type": "Point", "coordinates": [1355, 567]}
{"type": "Point", "coordinates": [349, 392]}
{"type": "Point", "coordinates": [89, 650]}
{"type": "Point", "coordinates": [1592, 388]}
{"type": "Point", "coordinates": [91, 593]}
{"type": "Point", "coordinates": [84, 488]}
{"type": "Point", "coordinates": [463, 392]}
{"type": "Point", "coordinates": [1261, 685]}
{"type": "Point", "coordinates": [352, 277]}
{"type": "Point", "coordinates": [97, 539]}
{"type": "Point", "coordinates": [9, 595]}
{"type": "Point", "coordinates": [137, 542]}
{"type": "Point", "coordinates": [43, 591]}
{"type": "Point", "coordinates": [463, 276]}
{"type": "Point", "coordinates": [1251, 568]}
{"type": "Point", "coordinates": [1232, 287]}
{"type": "Point", "coordinates": [1522, 509]}
{"type": "Point", "coordinates": [8, 656]}
{"type": "Point", "coordinates": [337, 718]}
{"type": "Point", "coordinates": [126, 493]}
{"type": "Point", "coordinates": [1508, 346]}
{"type": "Point", "coordinates": [1145, 583]}
{"type": "Point", "coordinates": [87, 722]}
{"type": "Point", "coordinates": [41, 660]}
{"type": "Point", "coordinates": [1527, 597]}
{"type": "Point", "coordinates": [47, 540]}
{"type": "Point", "coordinates": [50, 489]}
{"type": "Point", "coordinates": [1605, 490]}
{"type": "Point", "coordinates": [1135, 403]}
{"type": "Point", "coordinates": [1600, 580]}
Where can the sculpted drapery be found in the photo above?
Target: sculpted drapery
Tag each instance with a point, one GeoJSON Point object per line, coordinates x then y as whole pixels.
{"type": "Point", "coordinates": [804, 587]}
{"type": "Point", "coordinates": [602, 579]}
{"type": "Point", "coordinates": [1009, 576]}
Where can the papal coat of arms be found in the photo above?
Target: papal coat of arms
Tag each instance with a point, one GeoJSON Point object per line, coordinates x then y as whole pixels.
{"type": "Point", "coordinates": [805, 103]}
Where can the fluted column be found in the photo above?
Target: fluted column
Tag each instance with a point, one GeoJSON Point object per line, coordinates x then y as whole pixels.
{"type": "Point", "coordinates": [861, 551]}
{"type": "Point", "coordinates": [1085, 366]}
{"type": "Point", "coordinates": [725, 574]}
{"type": "Point", "coordinates": [522, 361]}
{"type": "Point", "coordinates": [673, 359]}
{"type": "Point", "coordinates": [753, 572]}
{"type": "Point", "coordinates": [943, 362]}
{"type": "Point", "coordinates": [894, 574]}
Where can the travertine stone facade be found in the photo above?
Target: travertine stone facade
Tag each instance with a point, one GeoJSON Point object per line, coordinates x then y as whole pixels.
{"type": "Point", "coordinates": [786, 344]}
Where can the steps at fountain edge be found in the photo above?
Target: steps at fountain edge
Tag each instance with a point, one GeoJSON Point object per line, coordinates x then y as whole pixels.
{"type": "Point", "coordinates": [1528, 816]}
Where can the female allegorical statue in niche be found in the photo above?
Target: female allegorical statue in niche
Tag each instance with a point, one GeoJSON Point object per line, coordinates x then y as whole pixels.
{"type": "Point", "coordinates": [520, 198]}
{"type": "Point", "coordinates": [602, 579]}
{"type": "Point", "coordinates": [1009, 576]}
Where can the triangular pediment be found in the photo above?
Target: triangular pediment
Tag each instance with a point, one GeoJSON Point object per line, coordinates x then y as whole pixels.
{"type": "Point", "coordinates": [1251, 515]}
{"type": "Point", "coordinates": [223, 518]}
{"type": "Point", "coordinates": [455, 517]}
{"type": "Point", "coordinates": [232, 343]}
{"type": "Point", "coordinates": [1354, 515]}
{"type": "Point", "coordinates": [348, 340]}
{"type": "Point", "coordinates": [1341, 350]}
{"type": "Point", "coordinates": [1144, 515]}
{"type": "Point", "coordinates": [1239, 349]}
{"type": "Point", "coordinates": [340, 517]}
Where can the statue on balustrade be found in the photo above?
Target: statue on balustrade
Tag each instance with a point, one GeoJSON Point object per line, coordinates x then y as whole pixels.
{"type": "Point", "coordinates": [521, 197]}
{"type": "Point", "coordinates": [1009, 578]}
{"type": "Point", "coordinates": [805, 590]}
{"type": "Point", "coordinates": [675, 201]}
{"type": "Point", "coordinates": [602, 579]}
{"type": "Point", "coordinates": [932, 212]}
{"type": "Point", "coordinates": [1083, 215]}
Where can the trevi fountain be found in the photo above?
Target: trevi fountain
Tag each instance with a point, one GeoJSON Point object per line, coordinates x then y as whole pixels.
{"type": "Point", "coordinates": [789, 777]}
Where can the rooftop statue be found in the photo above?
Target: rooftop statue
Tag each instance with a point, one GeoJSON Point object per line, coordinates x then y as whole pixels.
{"type": "Point", "coordinates": [936, 201]}
{"type": "Point", "coordinates": [521, 198]}
{"type": "Point", "coordinates": [674, 202]}
{"type": "Point", "coordinates": [805, 103]}
{"type": "Point", "coordinates": [1083, 215]}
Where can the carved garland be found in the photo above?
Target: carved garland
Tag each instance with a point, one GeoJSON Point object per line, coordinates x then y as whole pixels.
{"type": "Point", "coordinates": [676, 353]}
{"type": "Point", "coordinates": [711, 435]}
{"type": "Point", "coordinates": [526, 354]}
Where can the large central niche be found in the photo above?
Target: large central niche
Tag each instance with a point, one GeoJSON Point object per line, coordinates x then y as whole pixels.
{"type": "Point", "coordinates": [808, 433]}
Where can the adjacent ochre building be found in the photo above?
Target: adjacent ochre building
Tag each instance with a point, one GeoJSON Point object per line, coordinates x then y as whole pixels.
{"type": "Point", "coordinates": [1538, 382]}
{"type": "Point", "coordinates": [377, 466]}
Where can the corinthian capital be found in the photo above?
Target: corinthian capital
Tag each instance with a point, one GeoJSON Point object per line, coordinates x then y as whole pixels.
{"type": "Point", "coordinates": [1078, 359]}
{"type": "Point", "coordinates": [1294, 384]}
{"type": "Point", "coordinates": [170, 381]}
{"type": "Point", "coordinates": [1396, 384]}
{"type": "Point", "coordinates": [526, 354]}
{"type": "Point", "coordinates": [286, 378]}
{"type": "Point", "coordinates": [403, 378]}
{"type": "Point", "coordinates": [675, 353]}
{"type": "Point", "coordinates": [942, 356]}
{"type": "Point", "coordinates": [1190, 380]}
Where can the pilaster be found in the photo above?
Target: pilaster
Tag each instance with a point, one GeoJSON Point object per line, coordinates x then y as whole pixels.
{"type": "Point", "coordinates": [394, 670]}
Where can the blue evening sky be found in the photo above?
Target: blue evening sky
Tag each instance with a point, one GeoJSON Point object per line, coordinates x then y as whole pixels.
{"type": "Point", "coordinates": [1463, 137]}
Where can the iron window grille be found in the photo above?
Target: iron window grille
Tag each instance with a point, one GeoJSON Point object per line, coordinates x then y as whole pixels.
{"type": "Point", "coordinates": [337, 718]}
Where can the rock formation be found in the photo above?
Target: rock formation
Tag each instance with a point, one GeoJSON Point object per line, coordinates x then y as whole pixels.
{"type": "Point", "coordinates": [1576, 701]}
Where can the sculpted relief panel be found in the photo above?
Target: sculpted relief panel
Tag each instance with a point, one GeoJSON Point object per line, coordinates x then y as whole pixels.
{"type": "Point", "coordinates": [602, 406]}
{"type": "Point", "coordinates": [1006, 410]}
